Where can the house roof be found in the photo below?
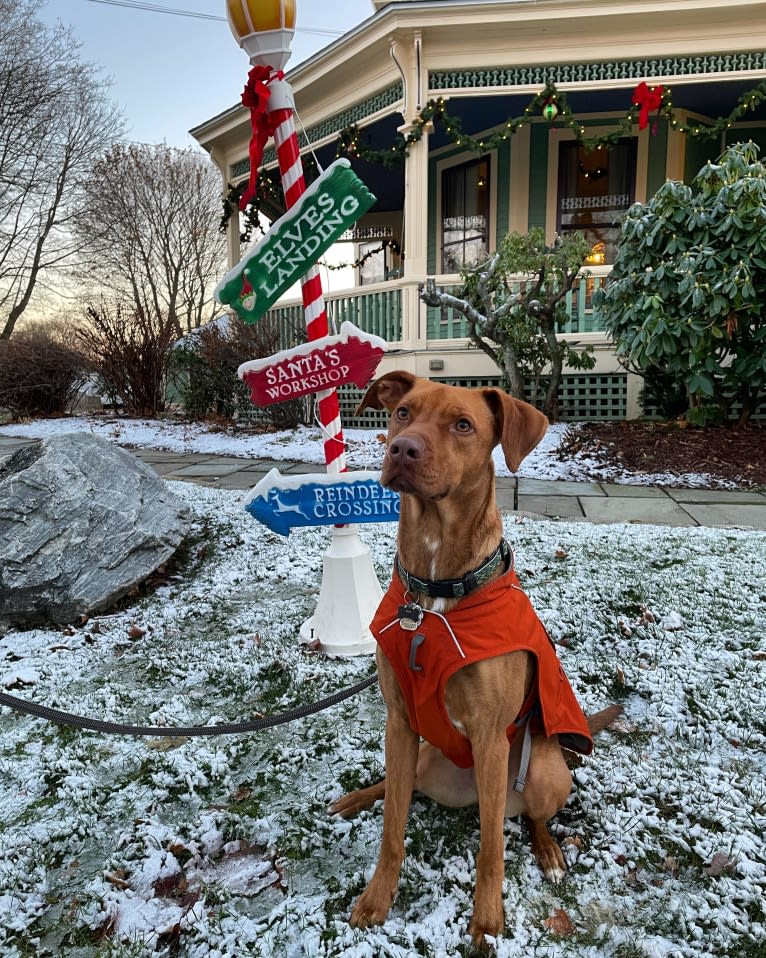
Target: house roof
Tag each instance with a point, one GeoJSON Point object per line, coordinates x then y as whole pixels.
{"type": "Point", "coordinates": [466, 35]}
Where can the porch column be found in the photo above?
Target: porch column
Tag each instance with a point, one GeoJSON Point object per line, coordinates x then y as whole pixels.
{"type": "Point", "coordinates": [415, 243]}
{"type": "Point", "coordinates": [407, 52]}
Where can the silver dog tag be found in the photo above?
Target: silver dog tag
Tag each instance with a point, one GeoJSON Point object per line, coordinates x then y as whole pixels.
{"type": "Point", "coordinates": [410, 616]}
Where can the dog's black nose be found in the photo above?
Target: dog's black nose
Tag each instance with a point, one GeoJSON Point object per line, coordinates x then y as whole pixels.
{"type": "Point", "coordinates": [405, 449]}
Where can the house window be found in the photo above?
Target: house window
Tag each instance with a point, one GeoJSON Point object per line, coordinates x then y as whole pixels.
{"type": "Point", "coordinates": [378, 262]}
{"type": "Point", "coordinates": [595, 190]}
{"type": "Point", "coordinates": [372, 263]}
{"type": "Point", "coordinates": [465, 215]}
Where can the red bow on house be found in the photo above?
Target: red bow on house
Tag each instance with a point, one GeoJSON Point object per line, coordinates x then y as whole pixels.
{"type": "Point", "coordinates": [648, 98]}
{"type": "Point", "coordinates": [255, 97]}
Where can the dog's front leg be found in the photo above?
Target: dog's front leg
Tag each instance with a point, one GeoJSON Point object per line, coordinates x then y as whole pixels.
{"type": "Point", "coordinates": [490, 754]}
{"type": "Point", "coordinates": [401, 762]}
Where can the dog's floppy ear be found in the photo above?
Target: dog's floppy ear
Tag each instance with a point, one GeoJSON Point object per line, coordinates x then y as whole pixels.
{"type": "Point", "coordinates": [387, 391]}
{"type": "Point", "coordinates": [520, 426]}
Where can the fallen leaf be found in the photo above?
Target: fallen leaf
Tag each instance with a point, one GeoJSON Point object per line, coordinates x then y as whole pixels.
{"type": "Point", "coordinates": [165, 743]}
{"type": "Point", "coordinates": [117, 878]}
{"type": "Point", "coordinates": [135, 631]}
{"type": "Point", "coordinates": [719, 864]}
{"type": "Point", "coordinates": [171, 886]}
{"type": "Point", "coordinates": [560, 923]}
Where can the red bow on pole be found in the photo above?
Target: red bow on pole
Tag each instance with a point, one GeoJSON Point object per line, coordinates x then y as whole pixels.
{"type": "Point", "coordinates": [648, 98]}
{"type": "Point", "coordinates": [255, 97]}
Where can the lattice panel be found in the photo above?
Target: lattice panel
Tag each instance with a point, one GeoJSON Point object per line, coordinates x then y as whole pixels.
{"type": "Point", "coordinates": [590, 397]}
{"type": "Point", "coordinates": [596, 397]}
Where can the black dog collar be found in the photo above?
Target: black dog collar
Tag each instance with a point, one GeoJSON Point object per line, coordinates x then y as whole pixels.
{"type": "Point", "coordinates": [458, 588]}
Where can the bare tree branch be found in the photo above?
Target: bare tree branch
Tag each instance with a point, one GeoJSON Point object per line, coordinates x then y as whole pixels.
{"type": "Point", "coordinates": [512, 305]}
{"type": "Point", "coordinates": [151, 229]}
{"type": "Point", "coordinates": [55, 120]}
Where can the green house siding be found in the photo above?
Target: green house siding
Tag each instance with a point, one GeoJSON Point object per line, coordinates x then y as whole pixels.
{"type": "Point", "coordinates": [503, 177]}
{"type": "Point", "coordinates": [538, 175]}
{"type": "Point", "coordinates": [657, 165]}
{"type": "Point", "coordinates": [698, 152]}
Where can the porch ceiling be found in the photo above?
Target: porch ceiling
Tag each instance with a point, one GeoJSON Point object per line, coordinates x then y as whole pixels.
{"type": "Point", "coordinates": [481, 113]}
{"type": "Point", "coordinates": [387, 183]}
{"type": "Point", "coordinates": [711, 99]}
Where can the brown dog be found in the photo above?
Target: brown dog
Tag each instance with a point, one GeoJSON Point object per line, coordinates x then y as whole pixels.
{"type": "Point", "coordinates": [439, 458]}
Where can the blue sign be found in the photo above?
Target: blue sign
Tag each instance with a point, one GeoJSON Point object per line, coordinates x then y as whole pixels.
{"type": "Point", "coordinates": [285, 502]}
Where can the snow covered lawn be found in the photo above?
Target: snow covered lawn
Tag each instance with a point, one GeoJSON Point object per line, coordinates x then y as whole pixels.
{"type": "Point", "coordinates": [212, 847]}
{"type": "Point", "coordinates": [304, 444]}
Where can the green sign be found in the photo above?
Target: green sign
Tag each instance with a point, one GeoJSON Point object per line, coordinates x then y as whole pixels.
{"type": "Point", "coordinates": [294, 243]}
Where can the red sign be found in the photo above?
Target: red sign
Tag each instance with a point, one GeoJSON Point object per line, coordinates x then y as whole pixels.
{"type": "Point", "coordinates": [351, 357]}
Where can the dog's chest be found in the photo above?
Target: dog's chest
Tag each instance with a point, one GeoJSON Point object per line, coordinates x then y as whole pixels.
{"type": "Point", "coordinates": [425, 648]}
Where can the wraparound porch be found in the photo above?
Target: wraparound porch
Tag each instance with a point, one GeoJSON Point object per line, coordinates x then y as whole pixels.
{"type": "Point", "coordinates": [434, 343]}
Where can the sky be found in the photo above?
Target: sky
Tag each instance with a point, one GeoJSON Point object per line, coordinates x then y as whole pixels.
{"type": "Point", "coordinates": [170, 73]}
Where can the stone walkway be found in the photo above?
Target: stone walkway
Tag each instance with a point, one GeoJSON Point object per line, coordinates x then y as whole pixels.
{"type": "Point", "coordinates": [593, 501]}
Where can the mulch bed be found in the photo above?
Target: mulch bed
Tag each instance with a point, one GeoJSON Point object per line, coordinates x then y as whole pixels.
{"type": "Point", "coordinates": [731, 455]}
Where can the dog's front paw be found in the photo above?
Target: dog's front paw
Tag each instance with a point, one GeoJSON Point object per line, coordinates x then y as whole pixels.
{"type": "Point", "coordinates": [486, 923]}
{"type": "Point", "coordinates": [354, 802]}
{"type": "Point", "coordinates": [372, 907]}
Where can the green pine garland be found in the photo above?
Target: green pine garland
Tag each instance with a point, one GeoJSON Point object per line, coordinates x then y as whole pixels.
{"type": "Point", "coordinates": [435, 111]}
{"type": "Point", "coordinates": [349, 141]}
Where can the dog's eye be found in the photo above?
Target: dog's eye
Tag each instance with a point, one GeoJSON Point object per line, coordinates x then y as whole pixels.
{"type": "Point", "coordinates": [464, 425]}
{"type": "Point", "coordinates": [402, 414]}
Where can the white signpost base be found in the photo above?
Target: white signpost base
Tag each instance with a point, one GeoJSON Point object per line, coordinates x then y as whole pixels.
{"type": "Point", "coordinates": [348, 599]}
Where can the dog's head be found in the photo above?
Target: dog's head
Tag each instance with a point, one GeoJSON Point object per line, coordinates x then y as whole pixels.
{"type": "Point", "coordinates": [441, 435]}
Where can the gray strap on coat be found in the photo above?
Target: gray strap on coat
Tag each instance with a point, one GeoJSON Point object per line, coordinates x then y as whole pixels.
{"type": "Point", "coordinates": [526, 750]}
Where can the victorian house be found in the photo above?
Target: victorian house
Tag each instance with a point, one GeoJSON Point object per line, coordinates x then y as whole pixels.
{"type": "Point", "coordinates": [471, 118]}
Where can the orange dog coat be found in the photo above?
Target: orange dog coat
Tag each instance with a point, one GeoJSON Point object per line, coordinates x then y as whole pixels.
{"type": "Point", "coordinates": [496, 619]}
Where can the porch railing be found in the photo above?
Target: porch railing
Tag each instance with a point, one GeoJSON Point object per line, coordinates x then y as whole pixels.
{"type": "Point", "coordinates": [446, 323]}
{"type": "Point", "coordinates": [379, 309]}
{"type": "Point", "coordinates": [375, 310]}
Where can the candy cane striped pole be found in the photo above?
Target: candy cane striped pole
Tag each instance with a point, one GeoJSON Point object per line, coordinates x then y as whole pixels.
{"type": "Point", "coordinates": [294, 186]}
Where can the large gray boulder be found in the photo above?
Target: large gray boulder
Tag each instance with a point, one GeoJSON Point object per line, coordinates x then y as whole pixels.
{"type": "Point", "coordinates": [81, 522]}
